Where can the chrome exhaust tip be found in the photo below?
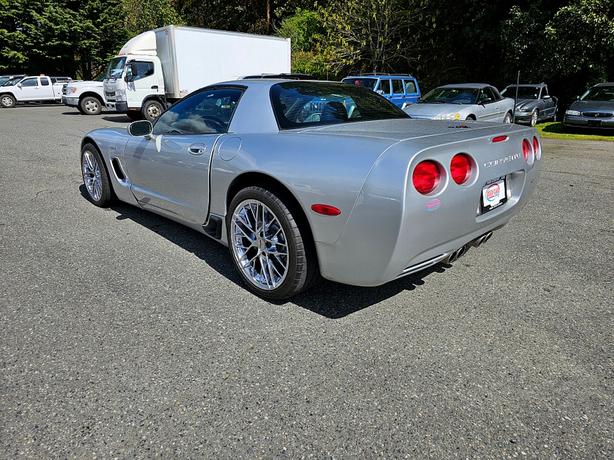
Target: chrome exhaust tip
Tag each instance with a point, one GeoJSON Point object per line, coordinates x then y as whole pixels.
{"type": "Point", "coordinates": [457, 254]}
{"type": "Point", "coordinates": [481, 239]}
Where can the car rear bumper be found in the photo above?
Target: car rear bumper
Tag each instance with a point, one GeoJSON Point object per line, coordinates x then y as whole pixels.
{"type": "Point", "coordinates": [389, 236]}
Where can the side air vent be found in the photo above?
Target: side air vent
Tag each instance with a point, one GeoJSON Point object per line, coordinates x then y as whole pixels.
{"type": "Point", "coordinates": [117, 169]}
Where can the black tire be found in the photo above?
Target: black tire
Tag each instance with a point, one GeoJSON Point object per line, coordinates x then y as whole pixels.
{"type": "Point", "coordinates": [106, 194]}
{"type": "Point", "coordinates": [302, 263]}
{"type": "Point", "coordinates": [90, 105]}
{"type": "Point", "coordinates": [152, 110]}
{"type": "Point", "coordinates": [7, 101]}
{"type": "Point", "coordinates": [134, 115]}
{"type": "Point", "coordinates": [508, 118]}
{"type": "Point", "coordinates": [470, 118]}
{"type": "Point", "coordinates": [534, 118]}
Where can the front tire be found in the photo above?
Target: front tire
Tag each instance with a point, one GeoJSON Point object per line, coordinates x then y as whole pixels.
{"type": "Point", "coordinates": [534, 118]}
{"type": "Point", "coordinates": [8, 101]}
{"type": "Point", "coordinates": [271, 251]}
{"type": "Point", "coordinates": [152, 110]}
{"type": "Point", "coordinates": [95, 176]}
{"type": "Point", "coordinates": [90, 105]}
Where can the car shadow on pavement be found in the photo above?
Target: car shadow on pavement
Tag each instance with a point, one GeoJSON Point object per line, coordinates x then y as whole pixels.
{"type": "Point", "coordinates": [329, 299]}
{"type": "Point", "coordinates": [117, 118]}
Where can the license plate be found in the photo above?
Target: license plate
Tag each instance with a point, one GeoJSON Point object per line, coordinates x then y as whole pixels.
{"type": "Point", "coordinates": [493, 195]}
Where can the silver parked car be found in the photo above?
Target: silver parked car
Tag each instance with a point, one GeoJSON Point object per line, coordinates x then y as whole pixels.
{"type": "Point", "coordinates": [464, 101]}
{"type": "Point", "coordinates": [594, 109]}
{"type": "Point", "coordinates": [306, 178]}
{"type": "Point", "coordinates": [534, 103]}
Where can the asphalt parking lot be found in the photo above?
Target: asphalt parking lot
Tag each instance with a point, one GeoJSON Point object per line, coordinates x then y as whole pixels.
{"type": "Point", "coordinates": [125, 334]}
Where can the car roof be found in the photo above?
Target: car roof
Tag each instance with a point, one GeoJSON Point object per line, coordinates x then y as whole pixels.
{"type": "Point", "coordinates": [467, 85]}
{"type": "Point", "coordinates": [528, 85]}
{"type": "Point", "coordinates": [381, 75]}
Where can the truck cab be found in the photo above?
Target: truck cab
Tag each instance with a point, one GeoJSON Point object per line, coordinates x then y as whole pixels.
{"type": "Point", "coordinates": [134, 82]}
{"type": "Point", "coordinates": [401, 90]}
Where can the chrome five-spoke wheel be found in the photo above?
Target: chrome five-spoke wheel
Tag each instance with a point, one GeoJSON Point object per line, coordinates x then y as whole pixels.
{"type": "Point", "coordinates": [259, 244]}
{"type": "Point", "coordinates": [92, 176]}
{"type": "Point", "coordinates": [95, 176]}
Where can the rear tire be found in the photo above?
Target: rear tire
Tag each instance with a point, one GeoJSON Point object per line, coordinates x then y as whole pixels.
{"type": "Point", "coordinates": [271, 251]}
{"type": "Point", "coordinates": [95, 177]}
{"type": "Point", "coordinates": [8, 101]}
{"type": "Point", "coordinates": [90, 105]}
{"type": "Point", "coordinates": [508, 118]}
{"type": "Point", "coordinates": [152, 110]}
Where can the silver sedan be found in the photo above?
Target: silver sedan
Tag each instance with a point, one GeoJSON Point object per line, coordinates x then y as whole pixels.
{"type": "Point", "coordinates": [467, 101]}
{"type": "Point", "coordinates": [303, 179]}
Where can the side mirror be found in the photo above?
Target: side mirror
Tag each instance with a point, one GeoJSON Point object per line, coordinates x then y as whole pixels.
{"type": "Point", "coordinates": [140, 128]}
{"type": "Point", "coordinates": [18, 85]}
{"type": "Point", "coordinates": [547, 96]}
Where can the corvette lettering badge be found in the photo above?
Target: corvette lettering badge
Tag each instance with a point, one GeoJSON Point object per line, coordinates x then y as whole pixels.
{"type": "Point", "coordinates": [500, 161]}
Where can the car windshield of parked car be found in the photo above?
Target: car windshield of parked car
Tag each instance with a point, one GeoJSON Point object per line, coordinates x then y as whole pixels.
{"type": "Point", "coordinates": [3, 80]}
{"type": "Point", "coordinates": [524, 92]}
{"type": "Point", "coordinates": [366, 82]}
{"type": "Point", "coordinates": [12, 81]}
{"type": "Point", "coordinates": [451, 96]}
{"type": "Point", "coordinates": [116, 67]}
{"type": "Point", "coordinates": [599, 93]}
{"type": "Point", "coordinates": [302, 104]}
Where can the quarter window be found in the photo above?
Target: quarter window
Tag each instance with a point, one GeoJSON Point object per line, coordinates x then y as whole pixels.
{"type": "Point", "coordinates": [410, 86]}
{"type": "Point", "coordinates": [30, 82]}
{"type": "Point", "coordinates": [44, 82]}
{"type": "Point", "coordinates": [205, 112]}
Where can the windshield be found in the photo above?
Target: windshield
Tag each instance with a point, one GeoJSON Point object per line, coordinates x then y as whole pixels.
{"type": "Point", "coordinates": [12, 81]}
{"type": "Point", "coordinates": [451, 96]}
{"type": "Point", "coordinates": [302, 104]}
{"type": "Point", "coordinates": [116, 67]}
{"type": "Point", "coordinates": [3, 80]}
{"type": "Point", "coordinates": [599, 93]}
{"type": "Point", "coordinates": [366, 82]}
{"type": "Point", "coordinates": [524, 92]}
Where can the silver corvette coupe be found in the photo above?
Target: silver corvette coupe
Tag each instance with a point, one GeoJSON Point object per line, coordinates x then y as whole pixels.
{"type": "Point", "coordinates": [302, 179]}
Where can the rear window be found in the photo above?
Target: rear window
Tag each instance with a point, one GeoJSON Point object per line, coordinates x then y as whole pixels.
{"type": "Point", "coordinates": [366, 82]}
{"type": "Point", "coordinates": [303, 104]}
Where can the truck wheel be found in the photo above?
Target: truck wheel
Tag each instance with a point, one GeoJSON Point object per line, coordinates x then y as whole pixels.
{"type": "Point", "coordinates": [7, 101]}
{"type": "Point", "coordinates": [90, 105]}
{"type": "Point", "coordinates": [270, 249]}
{"type": "Point", "coordinates": [152, 109]}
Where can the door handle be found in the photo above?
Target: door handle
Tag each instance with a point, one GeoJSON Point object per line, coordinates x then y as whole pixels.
{"type": "Point", "coordinates": [155, 87]}
{"type": "Point", "coordinates": [197, 149]}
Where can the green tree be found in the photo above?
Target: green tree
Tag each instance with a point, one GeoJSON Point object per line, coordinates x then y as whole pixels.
{"type": "Point", "coordinates": [143, 15]}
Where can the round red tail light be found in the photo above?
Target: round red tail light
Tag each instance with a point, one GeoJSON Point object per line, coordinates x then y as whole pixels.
{"type": "Point", "coordinates": [536, 148]}
{"type": "Point", "coordinates": [426, 176]}
{"type": "Point", "coordinates": [526, 150]}
{"type": "Point", "coordinates": [460, 168]}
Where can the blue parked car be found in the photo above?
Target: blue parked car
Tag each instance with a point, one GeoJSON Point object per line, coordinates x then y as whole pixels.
{"type": "Point", "coordinates": [401, 90]}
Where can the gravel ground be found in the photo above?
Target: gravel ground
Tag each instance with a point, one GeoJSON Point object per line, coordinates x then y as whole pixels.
{"type": "Point", "coordinates": [125, 334]}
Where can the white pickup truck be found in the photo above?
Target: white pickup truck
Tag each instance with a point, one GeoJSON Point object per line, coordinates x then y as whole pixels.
{"type": "Point", "coordinates": [87, 96]}
{"type": "Point", "coordinates": [33, 89]}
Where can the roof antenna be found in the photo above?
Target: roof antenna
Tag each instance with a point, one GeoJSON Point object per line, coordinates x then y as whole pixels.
{"type": "Point", "coordinates": [516, 97]}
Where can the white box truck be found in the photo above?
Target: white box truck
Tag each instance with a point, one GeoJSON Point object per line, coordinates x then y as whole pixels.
{"type": "Point", "coordinates": [158, 67]}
